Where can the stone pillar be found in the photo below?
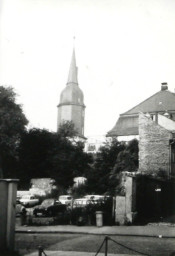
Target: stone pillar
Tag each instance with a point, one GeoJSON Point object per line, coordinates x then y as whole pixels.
{"type": "Point", "coordinates": [126, 204]}
{"type": "Point", "coordinates": [120, 210]}
{"type": "Point", "coordinates": [8, 188]}
{"type": "Point", "coordinates": [130, 185]}
{"type": "Point", "coordinates": [3, 212]}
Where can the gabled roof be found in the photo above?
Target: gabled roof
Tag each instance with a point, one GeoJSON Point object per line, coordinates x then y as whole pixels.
{"type": "Point", "coordinates": [160, 101]}
{"type": "Point", "coordinates": [125, 126]}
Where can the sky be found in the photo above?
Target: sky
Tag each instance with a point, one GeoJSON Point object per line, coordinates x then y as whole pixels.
{"type": "Point", "coordinates": [124, 50]}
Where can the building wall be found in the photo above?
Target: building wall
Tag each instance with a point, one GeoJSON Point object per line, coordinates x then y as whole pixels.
{"type": "Point", "coordinates": [94, 143]}
{"type": "Point", "coordinates": [64, 114]}
{"type": "Point", "coordinates": [74, 113]}
{"type": "Point", "coordinates": [78, 118]}
{"type": "Point", "coordinates": [125, 206]}
{"type": "Point", "coordinates": [154, 155]}
{"type": "Point", "coordinates": [166, 123]}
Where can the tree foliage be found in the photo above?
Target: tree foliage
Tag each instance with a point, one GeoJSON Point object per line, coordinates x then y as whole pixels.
{"type": "Point", "coordinates": [12, 124]}
{"type": "Point", "coordinates": [98, 177]}
{"type": "Point", "coordinates": [127, 161]}
{"type": "Point", "coordinates": [67, 130]}
{"type": "Point", "coordinates": [47, 154]}
{"type": "Point", "coordinates": [112, 159]}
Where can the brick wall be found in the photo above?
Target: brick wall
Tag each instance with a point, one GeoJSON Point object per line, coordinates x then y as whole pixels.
{"type": "Point", "coordinates": [153, 146]}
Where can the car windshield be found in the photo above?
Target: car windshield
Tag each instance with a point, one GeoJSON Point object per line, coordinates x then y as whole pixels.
{"type": "Point", "coordinates": [48, 202]}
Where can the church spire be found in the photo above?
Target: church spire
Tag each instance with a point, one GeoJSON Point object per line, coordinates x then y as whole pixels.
{"type": "Point", "coordinates": [72, 77]}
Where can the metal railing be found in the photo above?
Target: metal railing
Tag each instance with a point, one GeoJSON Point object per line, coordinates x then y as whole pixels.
{"type": "Point", "coordinates": [105, 243]}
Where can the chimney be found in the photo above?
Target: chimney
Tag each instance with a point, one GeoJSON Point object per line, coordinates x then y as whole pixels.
{"type": "Point", "coordinates": [164, 86]}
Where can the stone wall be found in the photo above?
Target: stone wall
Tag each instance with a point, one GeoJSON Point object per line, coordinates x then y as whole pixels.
{"type": "Point", "coordinates": [125, 207]}
{"type": "Point", "coordinates": [154, 147]}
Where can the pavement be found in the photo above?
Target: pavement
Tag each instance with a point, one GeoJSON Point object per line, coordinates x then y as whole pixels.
{"type": "Point", "coordinates": [151, 230]}
{"type": "Point", "coordinates": [159, 230]}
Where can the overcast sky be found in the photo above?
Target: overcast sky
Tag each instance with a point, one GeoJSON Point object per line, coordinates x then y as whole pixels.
{"type": "Point", "coordinates": [124, 50]}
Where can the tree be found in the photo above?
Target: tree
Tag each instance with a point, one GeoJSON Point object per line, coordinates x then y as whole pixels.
{"type": "Point", "coordinates": [12, 124]}
{"type": "Point", "coordinates": [50, 155]}
{"type": "Point", "coordinates": [98, 176]}
{"type": "Point", "coordinates": [67, 129]}
{"type": "Point", "coordinates": [127, 161]}
{"type": "Point", "coordinates": [34, 150]}
{"type": "Point", "coordinates": [112, 159]}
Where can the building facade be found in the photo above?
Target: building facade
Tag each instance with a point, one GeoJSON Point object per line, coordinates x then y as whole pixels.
{"type": "Point", "coordinates": [127, 125]}
{"type": "Point", "coordinates": [71, 106]}
{"type": "Point", "coordinates": [156, 146]}
{"type": "Point", "coordinates": [149, 192]}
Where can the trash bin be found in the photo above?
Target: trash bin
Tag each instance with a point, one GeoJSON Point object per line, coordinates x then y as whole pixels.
{"type": "Point", "coordinates": [99, 218]}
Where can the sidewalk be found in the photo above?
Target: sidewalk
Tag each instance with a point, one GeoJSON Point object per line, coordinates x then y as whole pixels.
{"type": "Point", "coordinates": [158, 230]}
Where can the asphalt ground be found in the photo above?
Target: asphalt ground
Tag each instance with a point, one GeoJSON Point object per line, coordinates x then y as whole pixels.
{"type": "Point", "coordinates": [156, 239]}
{"type": "Point", "coordinates": [87, 244]}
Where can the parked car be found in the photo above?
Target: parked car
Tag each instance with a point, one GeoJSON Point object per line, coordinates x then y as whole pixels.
{"type": "Point", "coordinates": [96, 197]}
{"type": "Point", "coordinates": [89, 199]}
{"type": "Point", "coordinates": [29, 200]}
{"type": "Point", "coordinates": [20, 209]}
{"type": "Point", "coordinates": [65, 199]}
{"type": "Point", "coordinates": [81, 202]}
{"type": "Point", "coordinates": [49, 207]}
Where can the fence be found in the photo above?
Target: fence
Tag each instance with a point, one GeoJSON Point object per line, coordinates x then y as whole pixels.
{"type": "Point", "coordinates": [105, 242]}
{"type": "Point", "coordinates": [41, 251]}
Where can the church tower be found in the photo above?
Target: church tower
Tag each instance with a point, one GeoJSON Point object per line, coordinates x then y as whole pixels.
{"type": "Point", "coordinates": [71, 106]}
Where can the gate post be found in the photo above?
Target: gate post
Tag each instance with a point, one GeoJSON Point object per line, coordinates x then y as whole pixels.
{"type": "Point", "coordinates": [106, 246]}
{"type": "Point", "coordinates": [8, 188]}
{"type": "Point", "coordinates": [40, 250]}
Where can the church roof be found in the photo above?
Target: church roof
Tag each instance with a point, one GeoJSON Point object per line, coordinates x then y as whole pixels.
{"type": "Point", "coordinates": [72, 94]}
{"type": "Point", "coordinates": [160, 102]}
{"type": "Point", "coordinates": [72, 77]}
{"type": "Point", "coordinates": [163, 100]}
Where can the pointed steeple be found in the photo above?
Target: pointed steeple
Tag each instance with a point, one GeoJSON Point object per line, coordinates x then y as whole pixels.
{"type": "Point", "coordinates": [71, 106]}
{"type": "Point", "coordinates": [72, 77]}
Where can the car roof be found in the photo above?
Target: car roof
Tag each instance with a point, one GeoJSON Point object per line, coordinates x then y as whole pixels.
{"type": "Point", "coordinates": [65, 196]}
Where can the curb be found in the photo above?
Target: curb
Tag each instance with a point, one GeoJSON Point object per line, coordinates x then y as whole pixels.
{"type": "Point", "coordinates": [90, 233]}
